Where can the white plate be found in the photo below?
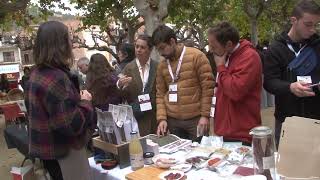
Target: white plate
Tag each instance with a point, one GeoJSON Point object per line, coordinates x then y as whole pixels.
{"type": "Point", "coordinates": [182, 167]}
{"type": "Point", "coordinates": [166, 161]}
{"type": "Point", "coordinates": [166, 173]}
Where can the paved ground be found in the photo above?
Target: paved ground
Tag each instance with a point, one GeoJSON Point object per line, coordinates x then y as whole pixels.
{"type": "Point", "coordinates": [11, 157]}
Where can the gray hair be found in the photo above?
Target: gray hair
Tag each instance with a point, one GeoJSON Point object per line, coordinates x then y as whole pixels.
{"type": "Point", "coordinates": [83, 60]}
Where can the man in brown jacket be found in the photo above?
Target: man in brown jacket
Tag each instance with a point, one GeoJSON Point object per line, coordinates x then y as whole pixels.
{"type": "Point", "coordinates": [184, 86]}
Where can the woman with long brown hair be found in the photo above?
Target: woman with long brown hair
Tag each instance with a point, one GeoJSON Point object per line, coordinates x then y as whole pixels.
{"type": "Point", "coordinates": [101, 82]}
{"type": "Point", "coordinates": [59, 116]}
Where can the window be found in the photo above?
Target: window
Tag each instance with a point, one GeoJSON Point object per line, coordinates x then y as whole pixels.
{"type": "Point", "coordinates": [26, 59]}
{"type": "Point", "coordinates": [8, 56]}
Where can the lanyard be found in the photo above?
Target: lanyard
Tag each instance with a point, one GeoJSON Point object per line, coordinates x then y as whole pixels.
{"type": "Point", "coordinates": [143, 75]}
{"type": "Point", "coordinates": [296, 53]}
{"type": "Point", "coordinates": [174, 78]}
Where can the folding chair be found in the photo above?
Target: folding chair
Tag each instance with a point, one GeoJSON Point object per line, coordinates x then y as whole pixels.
{"type": "Point", "coordinates": [11, 113]}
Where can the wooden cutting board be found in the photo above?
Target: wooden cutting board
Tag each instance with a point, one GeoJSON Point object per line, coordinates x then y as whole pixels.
{"type": "Point", "coordinates": [150, 173]}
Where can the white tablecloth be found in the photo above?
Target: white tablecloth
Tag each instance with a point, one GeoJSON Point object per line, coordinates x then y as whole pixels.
{"type": "Point", "coordinates": [98, 173]}
{"type": "Point", "coordinates": [119, 174]}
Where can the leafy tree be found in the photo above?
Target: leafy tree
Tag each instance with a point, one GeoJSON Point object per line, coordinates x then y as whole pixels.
{"type": "Point", "coordinates": [278, 15]}
{"type": "Point", "coordinates": [234, 13]}
{"type": "Point", "coordinates": [23, 13]}
{"type": "Point", "coordinates": [12, 7]}
{"type": "Point", "coordinates": [104, 12]}
{"type": "Point", "coordinates": [13, 11]}
{"type": "Point", "coordinates": [117, 20]}
{"type": "Point", "coordinates": [254, 10]}
{"type": "Point", "coordinates": [271, 21]}
{"type": "Point", "coordinates": [192, 19]}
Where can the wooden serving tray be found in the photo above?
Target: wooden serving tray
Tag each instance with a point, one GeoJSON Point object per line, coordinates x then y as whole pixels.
{"type": "Point", "coordinates": [150, 173]}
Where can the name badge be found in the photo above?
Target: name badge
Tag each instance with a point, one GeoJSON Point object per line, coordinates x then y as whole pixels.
{"type": "Point", "coordinates": [213, 106]}
{"type": "Point", "coordinates": [304, 79]}
{"type": "Point", "coordinates": [145, 102]}
{"type": "Point", "coordinates": [173, 93]}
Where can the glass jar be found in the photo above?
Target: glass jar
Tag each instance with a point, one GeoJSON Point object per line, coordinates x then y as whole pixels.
{"type": "Point", "coordinates": [148, 158]}
{"type": "Point", "coordinates": [135, 152]}
{"type": "Point", "coordinates": [263, 147]}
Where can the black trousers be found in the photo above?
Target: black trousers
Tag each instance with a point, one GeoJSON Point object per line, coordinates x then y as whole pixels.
{"type": "Point", "coordinates": [186, 129]}
{"type": "Point", "coordinates": [53, 167]}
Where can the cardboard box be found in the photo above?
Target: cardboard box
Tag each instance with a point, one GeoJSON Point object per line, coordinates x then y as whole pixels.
{"type": "Point", "coordinates": [22, 173]}
{"type": "Point", "coordinates": [299, 149]}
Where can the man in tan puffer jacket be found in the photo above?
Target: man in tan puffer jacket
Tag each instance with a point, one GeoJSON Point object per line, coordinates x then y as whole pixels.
{"type": "Point", "coordinates": [184, 86]}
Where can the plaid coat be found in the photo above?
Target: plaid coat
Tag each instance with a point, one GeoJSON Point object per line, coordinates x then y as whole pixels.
{"type": "Point", "coordinates": [58, 119]}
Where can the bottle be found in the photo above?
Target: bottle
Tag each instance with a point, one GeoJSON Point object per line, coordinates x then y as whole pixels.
{"type": "Point", "coordinates": [263, 147]}
{"type": "Point", "coordinates": [135, 152]}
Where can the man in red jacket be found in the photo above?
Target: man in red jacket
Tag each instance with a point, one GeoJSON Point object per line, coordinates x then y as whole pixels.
{"type": "Point", "coordinates": [239, 83]}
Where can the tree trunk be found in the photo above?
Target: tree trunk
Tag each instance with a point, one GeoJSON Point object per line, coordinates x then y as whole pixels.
{"type": "Point", "coordinates": [254, 31]}
{"type": "Point", "coordinates": [153, 12]}
{"type": "Point", "coordinates": [131, 33]}
{"type": "Point", "coordinates": [202, 40]}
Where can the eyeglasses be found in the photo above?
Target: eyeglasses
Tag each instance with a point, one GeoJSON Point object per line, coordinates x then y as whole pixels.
{"type": "Point", "coordinates": [312, 25]}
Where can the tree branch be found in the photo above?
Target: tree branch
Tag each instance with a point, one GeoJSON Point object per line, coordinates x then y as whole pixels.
{"type": "Point", "coordinates": [9, 6]}
{"type": "Point", "coordinates": [81, 43]}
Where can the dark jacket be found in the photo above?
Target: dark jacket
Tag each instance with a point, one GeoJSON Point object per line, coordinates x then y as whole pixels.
{"type": "Point", "coordinates": [24, 82]}
{"type": "Point", "coordinates": [277, 78]}
{"type": "Point", "coordinates": [123, 63]}
{"type": "Point", "coordinates": [4, 85]}
{"type": "Point", "coordinates": [146, 120]}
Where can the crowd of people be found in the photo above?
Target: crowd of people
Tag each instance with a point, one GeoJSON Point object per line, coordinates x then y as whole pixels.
{"type": "Point", "coordinates": [179, 93]}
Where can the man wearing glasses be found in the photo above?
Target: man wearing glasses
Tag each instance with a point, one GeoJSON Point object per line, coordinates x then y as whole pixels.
{"type": "Point", "coordinates": [292, 67]}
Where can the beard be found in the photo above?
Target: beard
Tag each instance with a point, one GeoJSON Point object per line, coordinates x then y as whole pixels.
{"type": "Point", "coordinates": [168, 56]}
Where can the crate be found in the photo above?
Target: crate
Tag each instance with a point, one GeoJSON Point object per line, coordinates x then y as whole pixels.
{"type": "Point", "coordinates": [120, 151]}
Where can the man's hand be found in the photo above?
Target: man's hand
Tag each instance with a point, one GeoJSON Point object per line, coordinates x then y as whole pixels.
{"type": "Point", "coordinates": [162, 128]}
{"type": "Point", "coordinates": [301, 90]}
{"type": "Point", "coordinates": [203, 126]}
{"type": "Point", "coordinates": [220, 59]}
{"type": "Point", "coordinates": [124, 81]}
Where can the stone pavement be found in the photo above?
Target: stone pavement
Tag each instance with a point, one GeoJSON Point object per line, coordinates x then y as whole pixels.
{"type": "Point", "coordinates": [11, 157]}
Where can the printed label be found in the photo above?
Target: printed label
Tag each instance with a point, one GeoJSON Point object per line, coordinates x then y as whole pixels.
{"type": "Point", "coordinates": [268, 162]}
{"type": "Point", "coordinates": [136, 160]}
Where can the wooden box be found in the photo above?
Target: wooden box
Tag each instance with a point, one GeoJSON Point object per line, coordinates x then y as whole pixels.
{"type": "Point", "coordinates": [121, 151]}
